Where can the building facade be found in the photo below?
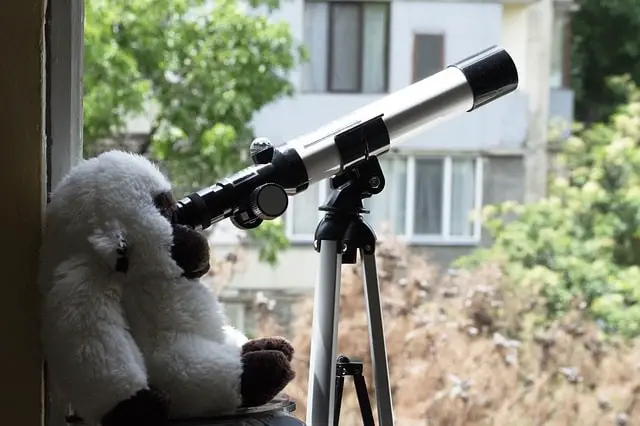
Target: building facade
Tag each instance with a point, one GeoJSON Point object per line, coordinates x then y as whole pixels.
{"type": "Point", "coordinates": [438, 181]}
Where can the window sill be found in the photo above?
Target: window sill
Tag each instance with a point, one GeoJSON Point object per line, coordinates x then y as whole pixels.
{"type": "Point", "coordinates": [343, 94]}
{"type": "Point", "coordinates": [440, 242]}
{"type": "Point", "coordinates": [301, 242]}
{"type": "Point", "coordinates": [298, 241]}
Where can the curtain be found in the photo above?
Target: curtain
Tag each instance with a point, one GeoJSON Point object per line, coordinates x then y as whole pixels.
{"type": "Point", "coordinates": [374, 49]}
{"type": "Point", "coordinates": [316, 30]}
{"type": "Point", "coordinates": [429, 52]}
{"type": "Point", "coordinates": [345, 47]}
{"type": "Point", "coordinates": [428, 196]}
{"type": "Point", "coordinates": [462, 196]}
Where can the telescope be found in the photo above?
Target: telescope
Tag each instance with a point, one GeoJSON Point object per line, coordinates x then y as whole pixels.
{"type": "Point", "coordinates": [259, 192]}
{"type": "Point", "coordinates": [346, 151]}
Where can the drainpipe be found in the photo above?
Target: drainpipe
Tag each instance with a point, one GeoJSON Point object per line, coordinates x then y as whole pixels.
{"type": "Point", "coordinates": [538, 66]}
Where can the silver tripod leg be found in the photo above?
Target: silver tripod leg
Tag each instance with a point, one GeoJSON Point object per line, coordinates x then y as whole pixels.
{"type": "Point", "coordinates": [377, 340]}
{"type": "Point", "coordinates": [324, 338]}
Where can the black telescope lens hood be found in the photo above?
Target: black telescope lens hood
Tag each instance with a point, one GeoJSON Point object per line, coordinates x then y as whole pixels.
{"type": "Point", "coordinates": [491, 74]}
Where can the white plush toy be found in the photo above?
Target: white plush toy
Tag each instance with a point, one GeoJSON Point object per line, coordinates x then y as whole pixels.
{"type": "Point", "coordinates": [130, 334]}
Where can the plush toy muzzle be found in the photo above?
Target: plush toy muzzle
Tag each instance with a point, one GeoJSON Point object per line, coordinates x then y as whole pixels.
{"type": "Point", "coordinates": [190, 251]}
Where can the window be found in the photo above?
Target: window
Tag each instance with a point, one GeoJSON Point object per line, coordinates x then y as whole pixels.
{"type": "Point", "coordinates": [559, 74]}
{"type": "Point", "coordinates": [235, 312]}
{"type": "Point", "coordinates": [428, 55]}
{"type": "Point", "coordinates": [348, 46]}
{"type": "Point", "coordinates": [427, 199]}
{"type": "Point", "coordinates": [301, 225]}
{"type": "Point", "coordinates": [444, 197]}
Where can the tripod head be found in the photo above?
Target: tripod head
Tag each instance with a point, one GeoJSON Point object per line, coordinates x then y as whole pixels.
{"type": "Point", "coordinates": [366, 176]}
{"type": "Point", "coordinates": [344, 207]}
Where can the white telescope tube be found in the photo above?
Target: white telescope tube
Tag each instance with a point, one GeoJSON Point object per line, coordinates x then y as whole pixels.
{"type": "Point", "coordinates": [407, 111]}
{"type": "Point", "coordinates": [369, 131]}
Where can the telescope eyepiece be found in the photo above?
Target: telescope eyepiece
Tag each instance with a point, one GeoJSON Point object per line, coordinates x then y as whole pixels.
{"type": "Point", "coordinates": [490, 73]}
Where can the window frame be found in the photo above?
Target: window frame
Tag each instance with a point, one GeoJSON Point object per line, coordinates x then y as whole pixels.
{"type": "Point", "coordinates": [408, 236]}
{"type": "Point", "coordinates": [64, 41]}
{"type": "Point", "coordinates": [328, 60]}
{"type": "Point", "coordinates": [566, 52]}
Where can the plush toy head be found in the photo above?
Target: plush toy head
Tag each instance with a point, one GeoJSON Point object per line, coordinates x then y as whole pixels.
{"type": "Point", "coordinates": [119, 207]}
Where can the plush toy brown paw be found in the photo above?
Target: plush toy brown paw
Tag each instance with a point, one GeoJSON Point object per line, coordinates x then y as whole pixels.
{"type": "Point", "coordinates": [148, 407]}
{"type": "Point", "coordinates": [275, 343]}
{"type": "Point", "coordinates": [265, 373]}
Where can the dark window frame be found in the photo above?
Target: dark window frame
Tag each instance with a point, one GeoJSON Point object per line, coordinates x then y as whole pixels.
{"type": "Point", "coordinates": [566, 51]}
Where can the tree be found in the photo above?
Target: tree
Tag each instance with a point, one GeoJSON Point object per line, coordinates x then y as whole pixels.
{"type": "Point", "coordinates": [604, 44]}
{"type": "Point", "coordinates": [581, 243]}
{"type": "Point", "coordinates": [199, 71]}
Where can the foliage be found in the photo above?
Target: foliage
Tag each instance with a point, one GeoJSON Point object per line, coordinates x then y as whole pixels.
{"type": "Point", "coordinates": [604, 44]}
{"type": "Point", "coordinates": [465, 349]}
{"type": "Point", "coordinates": [198, 72]}
{"type": "Point", "coordinates": [582, 241]}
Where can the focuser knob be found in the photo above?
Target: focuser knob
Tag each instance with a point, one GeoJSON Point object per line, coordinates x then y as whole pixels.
{"type": "Point", "coordinates": [269, 201]}
{"type": "Point", "coordinates": [261, 151]}
{"type": "Point", "coordinates": [245, 220]}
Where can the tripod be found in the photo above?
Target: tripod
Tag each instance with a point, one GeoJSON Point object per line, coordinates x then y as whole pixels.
{"type": "Point", "coordinates": [346, 367]}
{"type": "Point", "coordinates": [338, 238]}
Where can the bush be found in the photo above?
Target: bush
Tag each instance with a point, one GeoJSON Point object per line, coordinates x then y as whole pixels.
{"type": "Point", "coordinates": [467, 349]}
{"type": "Point", "coordinates": [582, 241]}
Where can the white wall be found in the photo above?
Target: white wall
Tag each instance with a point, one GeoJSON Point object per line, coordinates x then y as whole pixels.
{"type": "Point", "coordinates": [296, 271]}
{"type": "Point", "coordinates": [514, 39]}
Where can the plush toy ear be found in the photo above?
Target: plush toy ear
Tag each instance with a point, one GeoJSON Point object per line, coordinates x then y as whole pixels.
{"type": "Point", "coordinates": [110, 244]}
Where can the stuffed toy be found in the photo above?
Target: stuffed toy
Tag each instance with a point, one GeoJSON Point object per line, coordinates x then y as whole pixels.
{"type": "Point", "coordinates": [130, 334]}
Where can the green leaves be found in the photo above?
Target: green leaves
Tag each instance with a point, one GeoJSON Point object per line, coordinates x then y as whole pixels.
{"type": "Point", "coordinates": [114, 87]}
{"type": "Point", "coordinates": [604, 44]}
{"type": "Point", "coordinates": [198, 71]}
{"type": "Point", "coordinates": [270, 240]}
{"type": "Point", "coordinates": [583, 240]}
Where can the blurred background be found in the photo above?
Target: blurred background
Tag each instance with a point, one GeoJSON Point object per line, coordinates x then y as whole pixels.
{"type": "Point", "coordinates": [509, 238]}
